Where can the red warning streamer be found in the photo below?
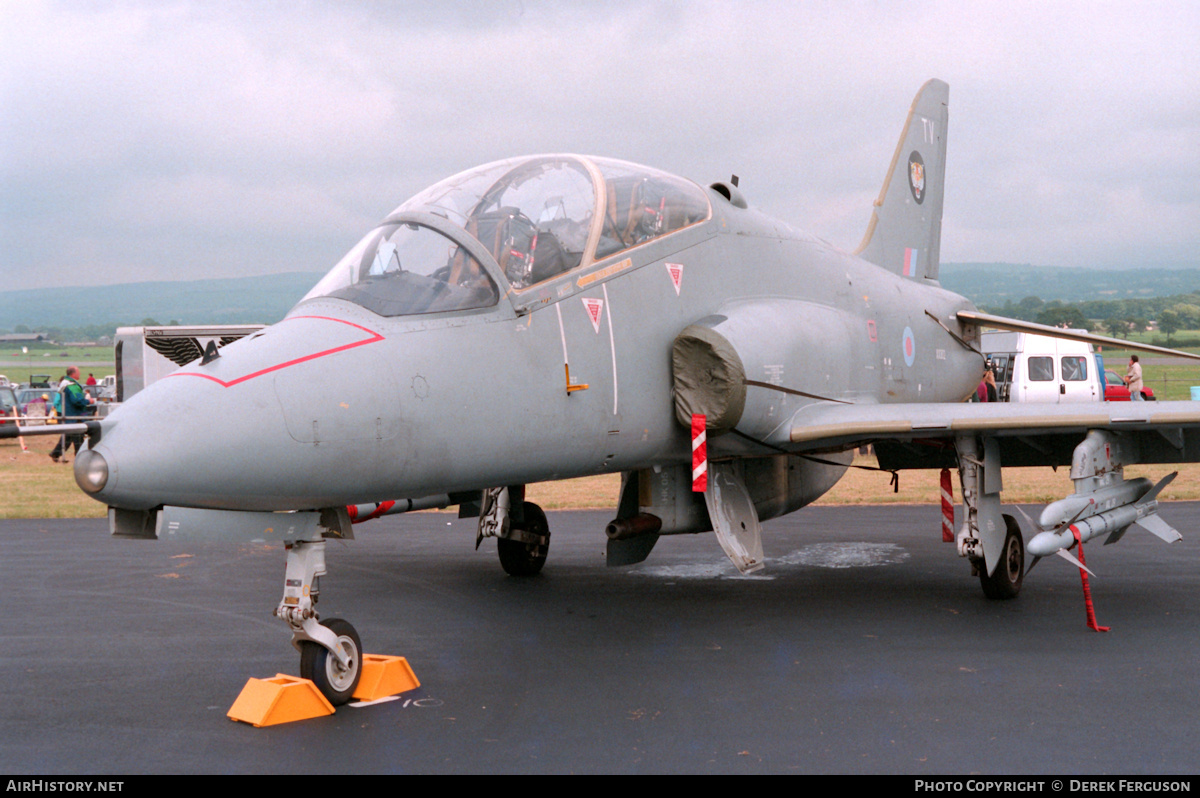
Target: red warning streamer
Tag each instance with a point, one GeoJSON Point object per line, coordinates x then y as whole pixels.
{"type": "Point", "coordinates": [947, 507]}
{"type": "Point", "coordinates": [699, 454]}
{"type": "Point", "coordinates": [1087, 591]}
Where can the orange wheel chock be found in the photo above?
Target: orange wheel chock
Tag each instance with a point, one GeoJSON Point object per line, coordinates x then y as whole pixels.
{"type": "Point", "coordinates": [266, 702]}
{"type": "Point", "coordinates": [384, 676]}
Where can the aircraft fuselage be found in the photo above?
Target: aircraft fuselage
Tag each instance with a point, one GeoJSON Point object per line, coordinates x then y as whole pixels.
{"type": "Point", "coordinates": [336, 405]}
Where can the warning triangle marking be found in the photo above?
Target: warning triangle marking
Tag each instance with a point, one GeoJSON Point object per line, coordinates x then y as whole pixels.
{"type": "Point", "coordinates": [676, 272]}
{"type": "Point", "coordinates": [593, 308]}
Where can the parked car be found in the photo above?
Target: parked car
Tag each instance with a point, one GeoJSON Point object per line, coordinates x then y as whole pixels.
{"type": "Point", "coordinates": [1115, 390]}
{"type": "Point", "coordinates": [8, 400]}
{"type": "Point", "coordinates": [32, 404]}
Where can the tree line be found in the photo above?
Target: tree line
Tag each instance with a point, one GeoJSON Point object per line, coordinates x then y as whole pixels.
{"type": "Point", "coordinates": [86, 332]}
{"type": "Point", "coordinates": [1115, 317]}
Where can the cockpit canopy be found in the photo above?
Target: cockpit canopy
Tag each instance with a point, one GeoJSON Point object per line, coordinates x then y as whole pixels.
{"type": "Point", "coordinates": [538, 217]}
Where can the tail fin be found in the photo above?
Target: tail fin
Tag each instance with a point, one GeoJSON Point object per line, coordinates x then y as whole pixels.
{"type": "Point", "coordinates": [905, 232]}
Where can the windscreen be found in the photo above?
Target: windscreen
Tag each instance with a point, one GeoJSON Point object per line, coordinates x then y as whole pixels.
{"type": "Point", "coordinates": [404, 269]}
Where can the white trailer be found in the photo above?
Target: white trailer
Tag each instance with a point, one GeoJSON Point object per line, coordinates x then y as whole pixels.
{"type": "Point", "coordinates": [145, 355]}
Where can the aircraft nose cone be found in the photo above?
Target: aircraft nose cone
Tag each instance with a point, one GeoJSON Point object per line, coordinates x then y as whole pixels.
{"type": "Point", "coordinates": [1044, 544]}
{"type": "Point", "coordinates": [91, 471]}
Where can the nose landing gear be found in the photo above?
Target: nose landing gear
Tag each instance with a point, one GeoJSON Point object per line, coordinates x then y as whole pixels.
{"type": "Point", "coordinates": [330, 652]}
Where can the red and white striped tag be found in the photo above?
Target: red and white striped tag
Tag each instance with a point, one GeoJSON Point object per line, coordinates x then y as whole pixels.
{"type": "Point", "coordinates": [947, 507]}
{"type": "Point", "coordinates": [699, 454]}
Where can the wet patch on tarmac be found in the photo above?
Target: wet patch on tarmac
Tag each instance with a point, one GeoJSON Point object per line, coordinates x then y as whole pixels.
{"type": "Point", "coordinates": [846, 555]}
{"type": "Point", "coordinates": [815, 555]}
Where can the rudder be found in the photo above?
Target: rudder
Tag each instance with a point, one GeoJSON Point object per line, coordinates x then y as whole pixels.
{"type": "Point", "coordinates": [904, 235]}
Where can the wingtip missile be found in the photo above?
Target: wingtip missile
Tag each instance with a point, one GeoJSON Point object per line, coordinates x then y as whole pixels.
{"type": "Point", "coordinates": [1109, 523]}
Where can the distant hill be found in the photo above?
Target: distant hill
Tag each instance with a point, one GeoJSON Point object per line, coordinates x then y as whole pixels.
{"type": "Point", "coordinates": [994, 284]}
{"type": "Point", "coordinates": [240, 300]}
{"type": "Point", "coordinates": [266, 298]}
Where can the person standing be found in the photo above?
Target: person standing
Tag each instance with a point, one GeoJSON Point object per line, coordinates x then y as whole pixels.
{"type": "Point", "coordinates": [76, 407]}
{"type": "Point", "coordinates": [91, 380]}
{"type": "Point", "coordinates": [1133, 379]}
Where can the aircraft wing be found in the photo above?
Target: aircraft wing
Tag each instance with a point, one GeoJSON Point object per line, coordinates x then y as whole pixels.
{"type": "Point", "coordinates": [911, 435]}
{"type": "Point", "coordinates": [977, 319]}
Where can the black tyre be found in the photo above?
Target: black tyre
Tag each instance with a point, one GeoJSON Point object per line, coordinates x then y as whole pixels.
{"type": "Point", "coordinates": [526, 559]}
{"type": "Point", "coordinates": [316, 663]}
{"type": "Point", "coordinates": [1005, 581]}
{"type": "Point", "coordinates": [1149, 398]}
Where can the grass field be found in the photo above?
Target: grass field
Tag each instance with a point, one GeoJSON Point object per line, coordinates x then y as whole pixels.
{"type": "Point", "coordinates": [18, 366]}
{"type": "Point", "coordinates": [36, 487]}
{"type": "Point", "coordinates": [1169, 382]}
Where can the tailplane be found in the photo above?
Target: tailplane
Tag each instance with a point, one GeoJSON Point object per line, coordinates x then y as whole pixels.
{"type": "Point", "coordinates": [905, 232]}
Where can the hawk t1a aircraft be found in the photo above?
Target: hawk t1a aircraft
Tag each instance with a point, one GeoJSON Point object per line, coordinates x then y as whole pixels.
{"type": "Point", "coordinates": [559, 316]}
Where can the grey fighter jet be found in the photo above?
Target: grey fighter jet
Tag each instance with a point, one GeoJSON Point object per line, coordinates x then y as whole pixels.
{"type": "Point", "coordinates": [560, 316]}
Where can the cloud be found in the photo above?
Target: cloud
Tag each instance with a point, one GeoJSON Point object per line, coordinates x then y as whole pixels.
{"type": "Point", "coordinates": [268, 136]}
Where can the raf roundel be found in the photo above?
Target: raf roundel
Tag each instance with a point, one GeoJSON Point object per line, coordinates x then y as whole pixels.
{"type": "Point", "coordinates": [909, 345]}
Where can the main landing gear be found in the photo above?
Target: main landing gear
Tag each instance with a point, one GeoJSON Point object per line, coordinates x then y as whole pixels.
{"type": "Point", "coordinates": [520, 528]}
{"type": "Point", "coordinates": [330, 651]}
{"type": "Point", "coordinates": [989, 539]}
{"type": "Point", "coordinates": [1005, 581]}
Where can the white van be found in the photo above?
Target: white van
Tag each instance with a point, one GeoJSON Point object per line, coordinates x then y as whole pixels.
{"type": "Point", "coordinates": [1037, 368]}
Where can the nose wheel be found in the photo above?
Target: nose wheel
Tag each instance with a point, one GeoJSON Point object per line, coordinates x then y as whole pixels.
{"type": "Point", "coordinates": [336, 681]}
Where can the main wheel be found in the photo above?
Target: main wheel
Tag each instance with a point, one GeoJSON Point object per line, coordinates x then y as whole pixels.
{"type": "Point", "coordinates": [1005, 581]}
{"type": "Point", "coordinates": [519, 558]}
{"type": "Point", "coordinates": [316, 663]}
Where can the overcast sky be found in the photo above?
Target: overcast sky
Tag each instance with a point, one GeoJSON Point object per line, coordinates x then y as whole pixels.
{"type": "Point", "coordinates": [182, 140]}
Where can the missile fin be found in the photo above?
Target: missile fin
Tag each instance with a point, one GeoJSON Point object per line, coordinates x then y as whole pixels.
{"type": "Point", "coordinates": [1115, 536]}
{"type": "Point", "coordinates": [1021, 510]}
{"type": "Point", "coordinates": [1162, 483]}
{"type": "Point", "coordinates": [1154, 524]}
{"type": "Point", "coordinates": [1072, 559]}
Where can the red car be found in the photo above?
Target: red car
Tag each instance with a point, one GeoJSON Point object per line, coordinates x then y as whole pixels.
{"type": "Point", "coordinates": [1115, 390]}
